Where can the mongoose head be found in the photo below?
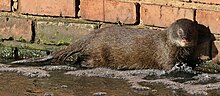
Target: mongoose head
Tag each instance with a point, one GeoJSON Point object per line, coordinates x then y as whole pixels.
{"type": "Point", "coordinates": [183, 33]}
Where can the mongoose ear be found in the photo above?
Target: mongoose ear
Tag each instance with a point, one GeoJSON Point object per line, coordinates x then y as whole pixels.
{"type": "Point", "coordinates": [195, 22]}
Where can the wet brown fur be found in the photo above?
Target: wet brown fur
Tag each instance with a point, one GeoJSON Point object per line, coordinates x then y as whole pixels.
{"type": "Point", "coordinates": [128, 48]}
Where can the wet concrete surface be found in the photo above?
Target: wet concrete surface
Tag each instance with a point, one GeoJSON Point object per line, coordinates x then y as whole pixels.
{"type": "Point", "coordinates": [58, 84]}
{"type": "Point", "coordinates": [70, 81]}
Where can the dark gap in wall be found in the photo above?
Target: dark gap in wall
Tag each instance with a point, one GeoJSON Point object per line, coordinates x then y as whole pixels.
{"type": "Point", "coordinates": [161, 11]}
{"type": "Point", "coordinates": [50, 16]}
{"type": "Point", "coordinates": [15, 53]}
{"type": "Point", "coordinates": [12, 3]}
{"type": "Point", "coordinates": [138, 6]}
{"type": "Point", "coordinates": [194, 15]}
{"type": "Point", "coordinates": [77, 4]}
{"type": "Point", "coordinates": [33, 25]}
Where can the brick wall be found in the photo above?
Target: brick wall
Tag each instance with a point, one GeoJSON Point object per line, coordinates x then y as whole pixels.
{"type": "Point", "coordinates": [59, 22]}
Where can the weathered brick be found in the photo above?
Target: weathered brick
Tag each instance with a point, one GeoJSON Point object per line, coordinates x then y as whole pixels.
{"type": "Point", "coordinates": [185, 0]}
{"type": "Point", "coordinates": [208, 1]}
{"type": "Point", "coordinates": [163, 16]}
{"type": "Point", "coordinates": [61, 32]}
{"type": "Point", "coordinates": [210, 19]}
{"type": "Point", "coordinates": [5, 5]}
{"type": "Point", "coordinates": [48, 7]}
{"type": "Point", "coordinates": [16, 28]}
{"type": "Point", "coordinates": [115, 11]}
{"type": "Point", "coordinates": [150, 14]}
{"type": "Point", "coordinates": [108, 11]}
{"type": "Point", "coordinates": [92, 9]}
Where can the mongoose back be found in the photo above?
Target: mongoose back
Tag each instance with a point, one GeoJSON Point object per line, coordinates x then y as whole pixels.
{"type": "Point", "coordinates": [129, 48]}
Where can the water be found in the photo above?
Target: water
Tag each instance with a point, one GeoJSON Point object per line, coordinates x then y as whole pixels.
{"type": "Point", "coordinates": [12, 84]}
{"type": "Point", "coordinates": [71, 81]}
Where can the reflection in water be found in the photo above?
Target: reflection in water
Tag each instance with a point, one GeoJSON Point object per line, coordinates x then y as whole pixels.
{"type": "Point", "coordinates": [59, 84]}
{"type": "Point", "coordinates": [70, 81]}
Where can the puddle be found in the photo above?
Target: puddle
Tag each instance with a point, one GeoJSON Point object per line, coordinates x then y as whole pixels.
{"type": "Point", "coordinates": [58, 84]}
{"type": "Point", "coordinates": [70, 81]}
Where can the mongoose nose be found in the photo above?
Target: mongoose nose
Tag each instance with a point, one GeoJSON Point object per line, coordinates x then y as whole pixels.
{"type": "Point", "coordinates": [185, 39]}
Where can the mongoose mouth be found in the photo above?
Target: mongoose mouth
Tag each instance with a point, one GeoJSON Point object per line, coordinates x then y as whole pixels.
{"type": "Point", "coordinates": [185, 43]}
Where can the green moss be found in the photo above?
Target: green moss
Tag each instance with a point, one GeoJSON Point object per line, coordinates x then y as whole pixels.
{"type": "Point", "coordinates": [32, 50]}
{"type": "Point", "coordinates": [21, 40]}
{"type": "Point", "coordinates": [29, 53]}
{"type": "Point", "coordinates": [6, 52]}
{"type": "Point", "coordinates": [208, 67]}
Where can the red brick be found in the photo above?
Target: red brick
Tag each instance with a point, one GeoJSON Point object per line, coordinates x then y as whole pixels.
{"type": "Point", "coordinates": [5, 5]}
{"type": "Point", "coordinates": [92, 9]}
{"type": "Point", "coordinates": [208, 1]}
{"type": "Point", "coordinates": [48, 7]}
{"type": "Point", "coordinates": [150, 14]}
{"type": "Point", "coordinates": [108, 11]}
{"type": "Point", "coordinates": [185, 0]}
{"type": "Point", "coordinates": [16, 28]}
{"type": "Point", "coordinates": [210, 19]}
{"type": "Point", "coordinates": [163, 16]}
{"type": "Point", "coordinates": [125, 12]}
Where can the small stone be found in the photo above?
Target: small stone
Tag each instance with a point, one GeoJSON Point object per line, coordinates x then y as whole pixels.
{"type": "Point", "coordinates": [100, 94]}
{"type": "Point", "coordinates": [64, 86]}
{"type": "Point", "coordinates": [48, 94]}
{"type": "Point", "coordinates": [154, 90]}
{"type": "Point", "coordinates": [140, 88]}
{"type": "Point", "coordinates": [4, 65]}
{"type": "Point", "coordinates": [55, 68]}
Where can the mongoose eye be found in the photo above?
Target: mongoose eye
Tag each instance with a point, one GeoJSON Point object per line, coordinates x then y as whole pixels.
{"type": "Point", "coordinates": [180, 32]}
